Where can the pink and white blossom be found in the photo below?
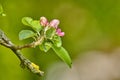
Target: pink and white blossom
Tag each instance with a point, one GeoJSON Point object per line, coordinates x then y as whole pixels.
{"type": "Point", "coordinates": [43, 21]}
{"type": "Point", "coordinates": [59, 32]}
{"type": "Point", "coordinates": [54, 23]}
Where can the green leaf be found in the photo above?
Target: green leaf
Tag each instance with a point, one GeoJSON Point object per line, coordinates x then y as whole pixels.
{"type": "Point", "coordinates": [57, 41]}
{"type": "Point", "coordinates": [1, 11]}
{"type": "Point", "coordinates": [36, 25]}
{"type": "Point", "coordinates": [24, 34]}
{"type": "Point", "coordinates": [45, 46]}
{"type": "Point", "coordinates": [63, 54]}
{"type": "Point", "coordinates": [50, 33]}
{"type": "Point", "coordinates": [27, 21]}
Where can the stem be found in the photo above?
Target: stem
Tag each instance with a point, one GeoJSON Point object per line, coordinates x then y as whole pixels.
{"type": "Point", "coordinates": [16, 49]}
{"type": "Point", "coordinates": [33, 44]}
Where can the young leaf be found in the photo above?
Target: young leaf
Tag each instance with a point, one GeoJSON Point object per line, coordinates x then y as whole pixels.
{"type": "Point", "coordinates": [50, 33]}
{"type": "Point", "coordinates": [63, 54]}
{"type": "Point", "coordinates": [36, 25]}
{"type": "Point", "coordinates": [27, 21]}
{"type": "Point", "coordinates": [24, 34]}
{"type": "Point", "coordinates": [45, 46]}
{"type": "Point", "coordinates": [1, 11]}
{"type": "Point", "coordinates": [57, 41]}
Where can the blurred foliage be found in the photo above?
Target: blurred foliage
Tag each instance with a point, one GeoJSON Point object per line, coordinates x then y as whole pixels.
{"type": "Point", "coordinates": [88, 24]}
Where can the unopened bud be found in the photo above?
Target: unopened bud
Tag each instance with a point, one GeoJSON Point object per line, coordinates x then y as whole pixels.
{"type": "Point", "coordinates": [43, 21]}
{"type": "Point", "coordinates": [59, 33]}
{"type": "Point", "coordinates": [54, 23]}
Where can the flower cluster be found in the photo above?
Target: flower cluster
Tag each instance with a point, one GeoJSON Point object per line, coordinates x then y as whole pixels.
{"type": "Point", "coordinates": [46, 35]}
{"type": "Point", "coordinates": [54, 23]}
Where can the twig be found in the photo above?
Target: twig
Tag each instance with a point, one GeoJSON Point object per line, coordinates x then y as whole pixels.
{"type": "Point", "coordinates": [33, 44]}
{"type": "Point", "coordinates": [16, 49]}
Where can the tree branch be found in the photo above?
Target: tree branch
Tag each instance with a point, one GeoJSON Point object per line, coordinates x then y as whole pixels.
{"type": "Point", "coordinates": [4, 40]}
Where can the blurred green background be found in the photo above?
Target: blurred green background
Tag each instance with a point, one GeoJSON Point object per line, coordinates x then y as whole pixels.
{"type": "Point", "coordinates": [88, 25]}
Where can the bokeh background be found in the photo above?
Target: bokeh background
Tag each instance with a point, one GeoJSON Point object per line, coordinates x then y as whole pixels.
{"type": "Point", "coordinates": [92, 29]}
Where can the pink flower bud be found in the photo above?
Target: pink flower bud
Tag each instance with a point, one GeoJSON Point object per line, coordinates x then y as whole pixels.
{"type": "Point", "coordinates": [54, 23]}
{"type": "Point", "coordinates": [59, 33]}
{"type": "Point", "coordinates": [43, 21]}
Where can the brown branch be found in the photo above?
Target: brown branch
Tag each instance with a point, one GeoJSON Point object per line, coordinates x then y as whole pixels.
{"type": "Point", "coordinates": [33, 44]}
{"type": "Point", "coordinates": [16, 49]}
